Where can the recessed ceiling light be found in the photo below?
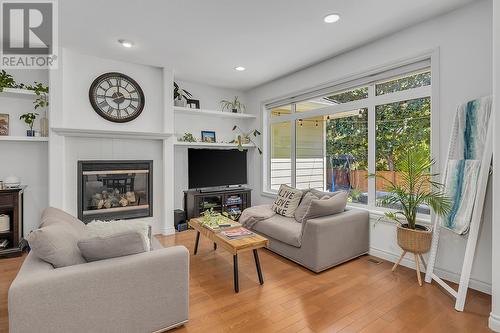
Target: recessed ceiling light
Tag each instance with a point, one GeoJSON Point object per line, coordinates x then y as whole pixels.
{"type": "Point", "coordinates": [331, 18]}
{"type": "Point", "coordinates": [126, 43]}
{"type": "Point", "coordinates": [240, 68]}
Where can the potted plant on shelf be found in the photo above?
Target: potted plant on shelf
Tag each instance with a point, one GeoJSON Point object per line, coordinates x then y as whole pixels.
{"type": "Point", "coordinates": [180, 95]}
{"type": "Point", "coordinates": [235, 105]}
{"type": "Point", "coordinates": [6, 81]}
{"type": "Point", "coordinates": [41, 102]}
{"type": "Point", "coordinates": [29, 119]}
{"type": "Point", "coordinates": [415, 187]}
{"type": "Point", "coordinates": [246, 138]}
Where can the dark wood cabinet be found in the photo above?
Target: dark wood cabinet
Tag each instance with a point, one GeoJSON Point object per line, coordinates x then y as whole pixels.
{"type": "Point", "coordinates": [232, 201]}
{"type": "Point", "coordinates": [11, 204]}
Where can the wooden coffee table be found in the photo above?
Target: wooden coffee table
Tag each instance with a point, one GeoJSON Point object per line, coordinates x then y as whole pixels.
{"type": "Point", "coordinates": [234, 246]}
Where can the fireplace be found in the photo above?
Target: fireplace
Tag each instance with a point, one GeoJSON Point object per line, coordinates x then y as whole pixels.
{"type": "Point", "coordinates": [111, 190]}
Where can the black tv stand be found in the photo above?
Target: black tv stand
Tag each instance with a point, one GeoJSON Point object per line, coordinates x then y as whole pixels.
{"type": "Point", "coordinates": [231, 200]}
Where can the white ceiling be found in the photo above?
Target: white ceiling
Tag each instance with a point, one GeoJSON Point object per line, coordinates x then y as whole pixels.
{"type": "Point", "coordinates": [203, 40]}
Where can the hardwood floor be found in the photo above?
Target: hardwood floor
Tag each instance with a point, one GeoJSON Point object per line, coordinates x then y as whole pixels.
{"type": "Point", "coordinates": [8, 271]}
{"type": "Point", "coordinates": [358, 296]}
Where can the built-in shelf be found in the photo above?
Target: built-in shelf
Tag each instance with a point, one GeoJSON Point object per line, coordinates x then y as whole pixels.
{"type": "Point", "coordinates": [203, 112]}
{"type": "Point", "coordinates": [92, 133]}
{"type": "Point", "coordinates": [24, 138]}
{"type": "Point", "coordinates": [208, 144]}
{"type": "Point", "coordinates": [16, 92]}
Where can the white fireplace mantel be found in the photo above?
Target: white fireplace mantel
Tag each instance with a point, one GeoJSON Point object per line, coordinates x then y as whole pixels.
{"type": "Point", "coordinates": [93, 133]}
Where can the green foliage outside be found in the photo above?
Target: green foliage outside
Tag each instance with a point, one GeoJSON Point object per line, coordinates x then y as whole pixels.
{"type": "Point", "coordinates": [400, 126]}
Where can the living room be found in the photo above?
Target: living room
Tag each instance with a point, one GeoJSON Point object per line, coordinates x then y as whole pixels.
{"type": "Point", "coordinates": [203, 166]}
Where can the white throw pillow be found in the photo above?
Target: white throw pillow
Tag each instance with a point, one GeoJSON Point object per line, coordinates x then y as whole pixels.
{"type": "Point", "coordinates": [287, 201]}
{"type": "Point", "coordinates": [107, 228]}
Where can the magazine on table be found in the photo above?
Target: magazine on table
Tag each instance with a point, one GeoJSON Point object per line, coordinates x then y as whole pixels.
{"type": "Point", "coordinates": [237, 233]}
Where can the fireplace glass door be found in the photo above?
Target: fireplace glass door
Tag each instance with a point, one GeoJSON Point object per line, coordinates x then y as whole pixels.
{"type": "Point", "coordinates": [114, 190]}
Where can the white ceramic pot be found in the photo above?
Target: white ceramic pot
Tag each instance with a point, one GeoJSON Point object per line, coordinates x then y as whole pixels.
{"type": "Point", "coordinates": [4, 223]}
{"type": "Point", "coordinates": [11, 182]}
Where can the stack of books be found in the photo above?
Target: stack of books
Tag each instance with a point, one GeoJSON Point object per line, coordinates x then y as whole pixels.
{"type": "Point", "coordinates": [237, 233]}
{"type": "Point", "coordinates": [233, 200]}
{"type": "Point", "coordinates": [234, 210]}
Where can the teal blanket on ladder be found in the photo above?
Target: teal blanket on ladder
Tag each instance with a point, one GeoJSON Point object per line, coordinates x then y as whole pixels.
{"type": "Point", "coordinates": [464, 162]}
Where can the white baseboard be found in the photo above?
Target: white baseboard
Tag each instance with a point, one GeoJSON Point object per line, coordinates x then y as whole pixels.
{"type": "Point", "coordinates": [494, 322]}
{"type": "Point", "coordinates": [170, 230]}
{"type": "Point", "coordinates": [408, 261]}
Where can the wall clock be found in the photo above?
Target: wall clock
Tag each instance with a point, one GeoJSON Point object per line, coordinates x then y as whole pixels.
{"type": "Point", "coordinates": [116, 97]}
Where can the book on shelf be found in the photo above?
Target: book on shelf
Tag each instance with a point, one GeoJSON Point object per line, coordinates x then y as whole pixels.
{"type": "Point", "coordinates": [233, 201]}
{"type": "Point", "coordinates": [234, 210]}
{"type": "Point", "coordinates": [237, 233]}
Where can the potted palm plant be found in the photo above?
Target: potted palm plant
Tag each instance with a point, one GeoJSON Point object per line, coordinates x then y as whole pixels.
{"type": "Point", "coordinates": [414, 188]}
{"type": "Point", "coordinates": [234, 105]}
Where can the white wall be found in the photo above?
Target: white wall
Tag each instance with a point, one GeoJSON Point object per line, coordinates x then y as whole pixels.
{"type": "Point", "coordinates": [495, 279]}
{"type": "Point", "coordinates": [464, 41]}
{"type": "Point", "coordinates": [79, 71]}
{"type": "Point", "coordinates": [210, 96]}
{"type": "Point", "coordinates": [26, 160]}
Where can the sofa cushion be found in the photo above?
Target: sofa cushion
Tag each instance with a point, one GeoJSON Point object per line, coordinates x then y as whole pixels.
{"type": "Point", "coordinates": [112, 246]}
{"type": "Point", "coordinates": [303, 208]}
{"type": "Point", "coordinates": [56, 244]}
{"type": "Point", "coordinates": [304, 211]}
{"type": "Point", "coordinates": [327, 206]}
{"type": "Point", "coordinates": [321, 194]}
{"type": "Point", "coordinates": [53, 215]}
{"type": "Point", "coordinates": [284, 229]}
{"type": "Point", "coordinates": [287, 201]}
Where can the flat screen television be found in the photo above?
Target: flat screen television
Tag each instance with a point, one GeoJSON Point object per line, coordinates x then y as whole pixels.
{"type": "Point", "coordinates": [216, 167]}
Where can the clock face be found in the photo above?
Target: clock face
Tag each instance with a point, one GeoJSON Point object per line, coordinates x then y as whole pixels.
{"type": "Point", "coordinates": [116, 97]}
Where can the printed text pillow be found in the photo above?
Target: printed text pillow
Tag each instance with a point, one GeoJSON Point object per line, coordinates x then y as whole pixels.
{"type": "Point", "coordinates": [287, 201]}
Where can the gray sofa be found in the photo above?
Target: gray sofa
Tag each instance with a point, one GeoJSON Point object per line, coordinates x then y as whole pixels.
{"type": "Point", "coordinates": [145, 292]}
{"type": "Point", "coordinates": [318, 243]}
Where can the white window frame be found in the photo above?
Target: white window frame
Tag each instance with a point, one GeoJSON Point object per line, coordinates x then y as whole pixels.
{"type": "Point", "coordinates": [427, 60]}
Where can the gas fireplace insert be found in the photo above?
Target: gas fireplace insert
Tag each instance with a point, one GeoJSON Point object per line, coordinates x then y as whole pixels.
{"type": "Point", "coordinates": [112, 190]}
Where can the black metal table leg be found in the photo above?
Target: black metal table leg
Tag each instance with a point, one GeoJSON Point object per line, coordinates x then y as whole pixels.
{"type": "Point", "coordinates": [257, 264]}
{"type": "Point", "coordinates": [235, 268]}
{"type": "Point", "coordinates": [196, 243]}
{"type": "Point", "coordinates": [215, 246]}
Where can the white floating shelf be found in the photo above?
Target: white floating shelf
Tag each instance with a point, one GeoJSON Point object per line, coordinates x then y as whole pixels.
{"type": "Point", "coordinates": [91, 133]}
{"type": "Point", "coordinates": [209, 144]}
{"type": "Point", "coordinates": [24, 138]}
{"type": "Point", "coordinates": [16, 92]}
{"type": "Point", "coordinates": [203, 112]}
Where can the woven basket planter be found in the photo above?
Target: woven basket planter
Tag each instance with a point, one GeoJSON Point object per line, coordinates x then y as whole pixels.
{"type": "Point", "coordinates": [416, 241]}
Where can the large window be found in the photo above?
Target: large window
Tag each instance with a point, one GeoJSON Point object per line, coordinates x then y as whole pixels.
{"type": "Point", "coordinates": [334, 141]}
